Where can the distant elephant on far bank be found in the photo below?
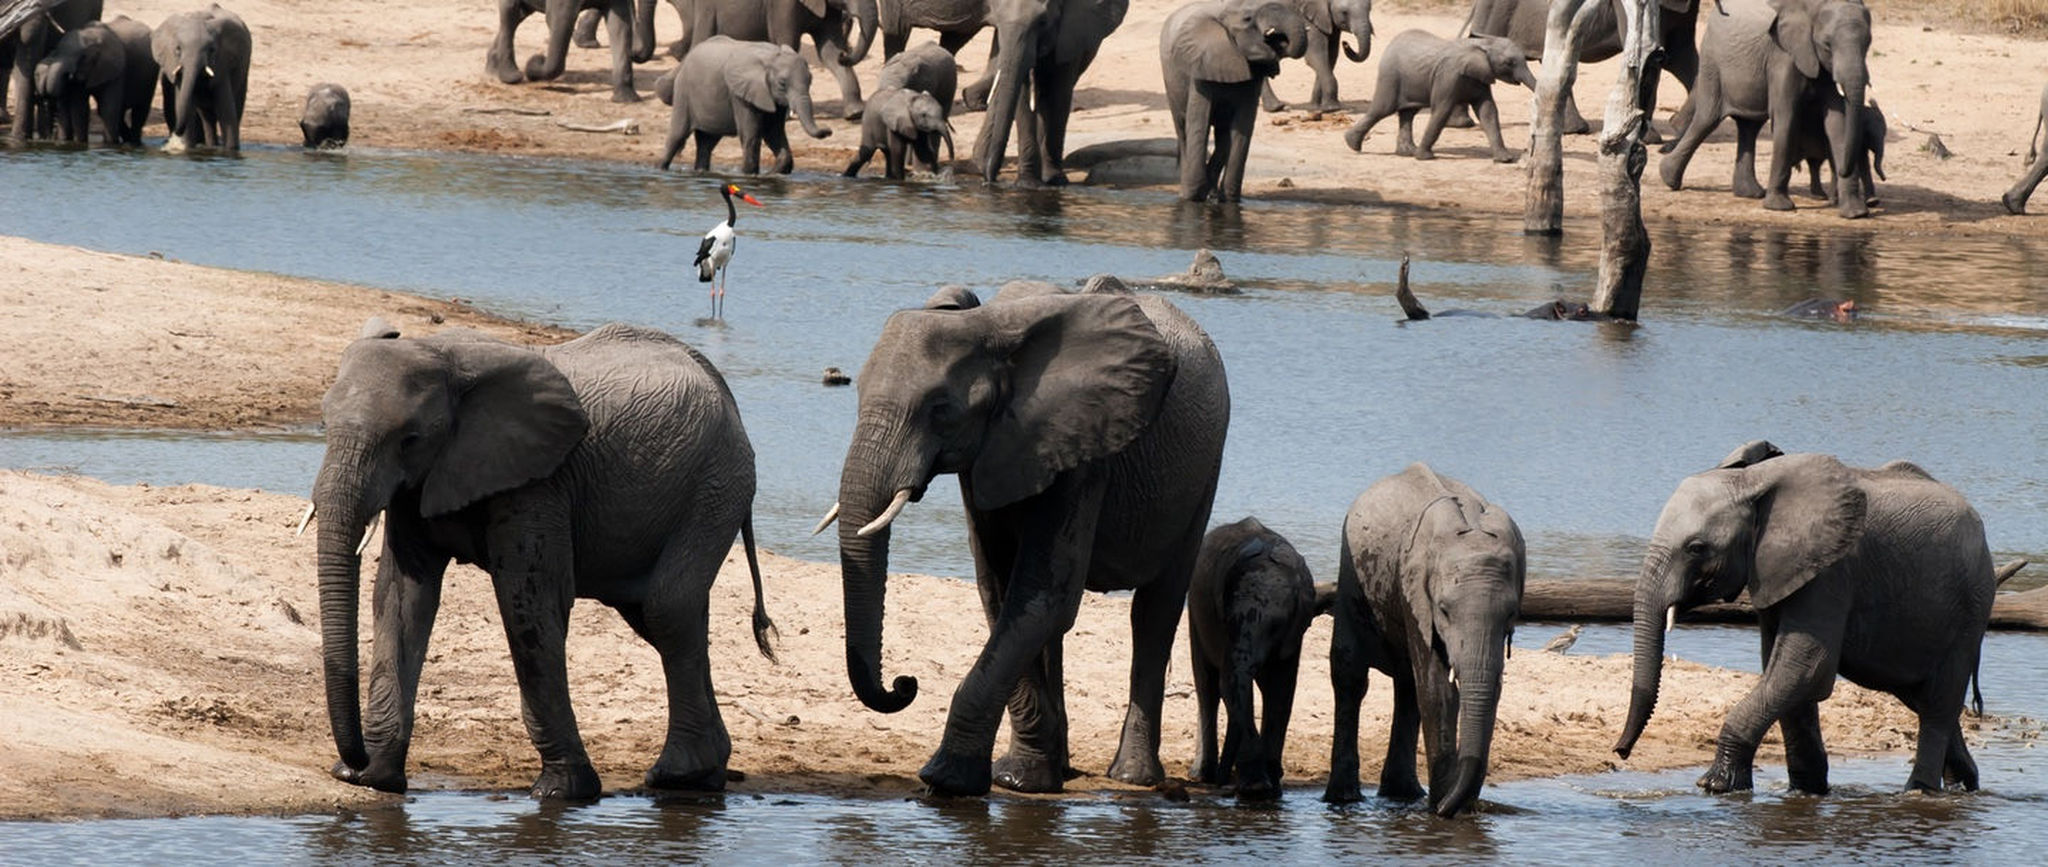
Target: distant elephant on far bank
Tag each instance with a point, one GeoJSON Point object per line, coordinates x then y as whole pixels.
{"type": "Point", "coordinates": [1215, 55]}
{"type": "Point", "coordinates": [24, 48]}
{"type": "Point", "coordinates": [1421, 70]}
{"type": "Point", "coordinates": [1250, 601]}
{"type": "Point", "coordinates": [642, 43]}
{"type": "Point", "coordinates": [561, 22]}
{"type": "Point", "coordinates": [1524, 22]}
{"type": "Point", "coordinates": [1429, 583]}
{"type": "Point", "coordinates": [108, 63]}
{"type": "Point", "coordinates": [203, 64]}
{"type": "Point", "coordinates": [1328, 22]}
{"type": "Point", "coordinates": [903, 125]}
{"type": "Point", "coordinates": [1879, 575]}
{"type": "Point", "coordinates": [829, 24]}
{"type": "Point", "coordinates": [2015, 199]}
{"type": "Point", "coordinates": [324, 122]}
{"type": "Point", "coordinates": [612, 467]}
{"type": "Point", "coordinates": [725, 87]}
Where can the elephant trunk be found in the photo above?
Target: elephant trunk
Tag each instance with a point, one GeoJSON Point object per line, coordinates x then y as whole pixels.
{"type": "Point", "coordinates": [338, 499]}
{"type": "Point", "coordinates": [1852, 167]}
{"type": "Point", "coordinates": [946, 135]}
{"type": "Point", "coordinates": [1017, 50]}
{"type": "Point", "coordinates": [864, 492]}
{"type": "Point", "coordinates": [643, 31]}
{"type": "Point", "coordinates": [800, 105]}
{"type": "Point", "coordinates": [1361, 30]}
{"type": "Point", "coordinates": [1650, 611]}
{"type": "Point", "coordinates": [184, 125]}
{"type": "Point", "coordinates": [1478, 701]}
{"type": "Point", "coordinates": [868, 13]}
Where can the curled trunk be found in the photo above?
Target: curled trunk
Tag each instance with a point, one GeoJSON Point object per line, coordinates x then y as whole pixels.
{"type": "Point", "coordinates": [643, 31]}
{"type": "Point", "coordinates": [1361, 31]}
{"type": "Point", "coordinates": [864, 570]}
{"type": "Point", "coordinates": [800, 105]}
{"type": "Point", "coordinates": [869, 16]}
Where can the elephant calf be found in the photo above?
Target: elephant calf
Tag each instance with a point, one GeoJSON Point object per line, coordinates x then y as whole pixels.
{"type": "Point", "coordinates": [747, 89]}
{"type": "Point", "coordinates": [108, 63]}
{"type": "Point", "coordinates": [1421, 70]}
{"type": "Point", "coordinates": [1429, 584]}
{"type": "Point", "coordinates": [1216, 54]}
{"type": "Point", "coordinates": [900, 124]}
{"type": "Point", "coordinates": [1249, 601]}
{"type": "Point", "coordinates": [1821, 140]}
{"type": "Point", "coordinates": [2015, 199]}
{"type": "Point", "coordinates": [324, 123]}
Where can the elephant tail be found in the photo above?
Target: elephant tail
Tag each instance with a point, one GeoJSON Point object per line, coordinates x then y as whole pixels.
{"type": "Point", "coordinates": [763, 626]}
{"type": "Point", "coordinates": [1976, 690]}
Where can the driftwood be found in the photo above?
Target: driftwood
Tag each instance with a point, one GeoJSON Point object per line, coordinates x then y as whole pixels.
{"type": "Point", "coordinates": [1543, 205]}
{"type": "Point", "coordinates": [1613, 600]}
{"type": "Point", "coordinates": [622, 126]}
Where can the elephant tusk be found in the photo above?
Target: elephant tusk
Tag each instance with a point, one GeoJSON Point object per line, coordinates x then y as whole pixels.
{"type": "Point", "coordinates": [303, 521]}
{"type": "Point", "coordinates": [895, 508]}
{"type": "Point", "coordinates": [1454, 676]}
{"type": "Point", "coordinates": [827, 521]}
{"type": "Point", "coordinates": [368, 531]}
{"type": "Point", "coordinates": [1670, 619]}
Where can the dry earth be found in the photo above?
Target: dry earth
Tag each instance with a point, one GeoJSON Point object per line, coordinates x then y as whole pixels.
{"type": "Point", "coordinates": [416, 73]}
{"type": "Point", "coordinates": [178, 627]}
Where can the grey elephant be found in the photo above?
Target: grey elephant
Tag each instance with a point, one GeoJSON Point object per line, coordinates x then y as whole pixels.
{"type": "Point", "coordinates": [1882, 576]}
{"type": "Point", "coordinates": [2015, 199]}
{"type": "Point", "coordinates": [1772, 60]}
{"type": "Point", "coordinates": [1421, 70]}
{"type": "Point", "coordinates": [324, 122]}
{"type": "Point", "coordinates": [24, 48]}
{"type": "Point", "coordinates": [1045, 46]}
{"type": "Point", "coordinates": [641, 25]}
{"type": "Point", "coordinates": [1328, 23]}
{"type": "Point", "coordinates": [725, 87]}
{"type": "Point", "coordinates": [203, 64]}
{"type": "Point", "coordinates": [613, 467]}
{"type": "Point", "coordinates": [957, 23]}
{"type": "Point", "coordinates": [902, 124]}
{"type": "Point", "coordinates": [561, 21]}
{"type": "Point", "coordinates": [1087, 432]}
{"type": "Point", "coordinates": [928, 67]}
{"type": "Point", "coordinates": [108, 63]}
{"type": "Point", "coordinates": [1249, 602]}
{"type": "Point", "coordinates": [1215, 55]}
{"type": "Point", "coordinates": [1524, 21]}
{"type": "Point", "coordinates": [1821, 138]}
{"type": "Point", "coordinates": [1429, 584]}
{"type": "Point", "coordinates": [785, 22]}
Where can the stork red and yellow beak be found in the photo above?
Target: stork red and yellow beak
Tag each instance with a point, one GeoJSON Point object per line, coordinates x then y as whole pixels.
{"type": "Point", "coordinates": [749, 200]}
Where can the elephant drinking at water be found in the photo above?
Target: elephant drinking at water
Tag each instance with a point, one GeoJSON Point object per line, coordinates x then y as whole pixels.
{"type": "Point", "coordinates": [1882, 576]}
{"type": "Point", "coordinates": [1086, 431]}
{"type": "Point", "coordinates": [202, 59]}
{"type": "Point", "coordinates": [613, 467]}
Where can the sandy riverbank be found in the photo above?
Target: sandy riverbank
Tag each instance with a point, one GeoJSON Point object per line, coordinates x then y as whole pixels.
{"type": "Point", "coordinates": [417, 77]}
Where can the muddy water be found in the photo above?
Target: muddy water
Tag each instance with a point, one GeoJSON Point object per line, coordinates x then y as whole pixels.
{"type": "Point", "coordinates": [1579, 430]}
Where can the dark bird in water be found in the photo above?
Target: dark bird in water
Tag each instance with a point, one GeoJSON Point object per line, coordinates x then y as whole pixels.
{"type": "Point", "coordinates": [715, 252]}
{"type": "Point", "coordinates": [1565, 639]}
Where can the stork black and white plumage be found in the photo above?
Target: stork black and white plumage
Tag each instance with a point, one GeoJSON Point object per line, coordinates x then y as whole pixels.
{"type": "Point", "coordinates": [715, 252]}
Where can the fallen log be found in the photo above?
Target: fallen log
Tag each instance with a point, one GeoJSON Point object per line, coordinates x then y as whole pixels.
{"type": "Point", "coordinates": [1599, 600]}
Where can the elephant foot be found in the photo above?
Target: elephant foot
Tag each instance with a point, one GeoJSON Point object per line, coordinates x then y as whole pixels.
{"type": "Point", "coordinates": [1728, 773]}
{"type": "Point", "coordinates": [1262, 789]}
{"type": "Point", "coordinates": [1272, 107]}
{"type": "Point", "coordinates": [1328, 106]}
{"type": "Point", "coordinates": [1651, 135]}
{"type": "Point", "coordinates": [1459, 119]}
{"type": "Point", "coordinates": [1852, 208]}
{"type": "Point", "coordinates": [1023, 772]}
{"type": "Point", "coordinates": [1671, 172]}
{"type": "Point", "coordinates": [1342, 793]}
{"type": "Point", "coordinates": [974, 100]}
{"type": "Point", "coordinates": [1401, 790]}
{"type": "Point", "coordinates": [575, 781]}
{"type": "Point", "coordinates": [955, 774]}
{"type": "Point", "coordinates": [382, 779]}
{"type": "Point", "coordinates": [1506, 156]}
{"type": "Point", "coordinates": [1577, 127]}
{"type": "Point", "coordinates": [1354, 138]}
{"type": "Point", "coordinates": [2013, 204]}
{"type": "Point", "coordinates": [854, 110]}
{"type": "Point", "coordinates": [1423, 154]}
{"type": "Point", "coordinates": [537, 69]}
{"type": "Point", "coordinates": [1748, 188]}
{"type": "Point", "coordinates": [699, 780]}
{"type": "Point", "coordinates": [1810, 783]}
{"type": "Point", "coordinates": [501, 66]}
{"type": "Point", "coordinates": [585, 40]}
{"type": "Point", "coordinates": [1137, 770]}
{"type": "Point", "coordinates": [625, 94]}
{"type": "Point", "coordinates": [1777, 201]}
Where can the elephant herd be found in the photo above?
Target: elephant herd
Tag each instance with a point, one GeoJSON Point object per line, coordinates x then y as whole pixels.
{"type": "Point", "coordinates": [1085, 430]}
{"type": "Point", "coordinates": [66, 61]}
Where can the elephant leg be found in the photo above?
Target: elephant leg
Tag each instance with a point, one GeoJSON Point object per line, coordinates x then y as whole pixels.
{"type": "Point", "coordinates": [1243, 117]}
{"type": "Point", "coordinates": [1404, 139]}
{"type": "Point", "coordinates": [850, 104]}
{"type": "Point", "coordinates": [110, 117]}
{"type": "Point", "coordinates": [1706, 115]}
{"type": "Point", "coordinates": [1037, 758]}
{"type": "Point", "coordinates": [1960, 768]}
{"type": "Point", "coordinates": [678, 133]}
{"type": "Point", "coordinates": [1276, 692]}
{"type": "Point", "coordinates": [1439, 114]}
{"type": "Point", "coordinates": [499, 61]}
{"type": "Point", "coordinates": [894, 43]}
{"type": "Point", "coordinates": [1806, 755]}
{"type": "Point", "coordinates": [892, 162]}
{"type": "Point", "coordinates": [1437, 703]}
{"type": "Point", "coordinates": [2015, 199]}
{"type": "Point", "coordinates": [1354, 136]}
{"type": "Point", "coordinates": [675, 619]}
{"type": "Point", "coordinates": [586, 29]}
{"type": "Point", "coordinates": [1269, 100]}
{"type": "Point", "coordinates": [1397, 775]}
{"type": "Point", "coordinates": [860, 159]}
{"type": "Point", "coordinates": [227, 115]}
{"type": "Point", "coordinates": [776, 136]}
{"type": "Point", "coordinates": [750, 124]}
{"type": "Point", "coordinates": [1208, 686]}
{"type": "Point", "coordinates": [1574, 122]}
{"type": "Point", "coordinates": [706, 143]}
{"type": "Point", "coordinates": [1939, 705]}
{"type": "Point", "coordinates": [1489, 120]}
{"type": "Point", "coordinates": [531, 569]}
{"type": "Point", "coordinates": [618, 27]}
{"type": "Point", "coordinates": [1243, 761]}
{"type": "Point", "coordinates": [1800, 670]}
{"type": "Point", "coordinates": [1349, 667]}
{"type": "Point", "coordinates": [407, 596]}
{"type": "Point", "coordinates": [973, 97]}
{"type": "Point", "coordinates": [1055, 107]}
{"type": "Point", "coordinates": [1194, 130]}
{"type": "Point", "coordinates": [1784, 130]}
{"type": "Point", "coordinates": [1322, 59]}
{"type": "Point", "coordinates": [1744, 180]}
{"type": "Point", "coordinates": [1155, 617]}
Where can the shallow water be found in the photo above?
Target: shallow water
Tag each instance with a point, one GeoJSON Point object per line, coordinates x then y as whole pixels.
{"type": "Point", "coordinates": [1581, 431]}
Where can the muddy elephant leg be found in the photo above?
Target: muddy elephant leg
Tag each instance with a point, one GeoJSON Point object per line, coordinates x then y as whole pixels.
{"type": "Point", "coordinates": [618, 27]}
{"type": "Point", "coordinates": [1806, 755]}
{"type": "Point", "coordinates": [675, 620]}
{"type": "Point", "coordinates": [1208, 686]}
{"type": "Point", "coordinates": [1155, 617]}
{"type": "Point", "coordinates": [407, 596]}
{"type": "Point", "coordinates": [1243, 119]}
{"type": "Point", "coordinates": [1322, 59]}
{"type": "Point", "coordinates": [1440, 108]}
{"type": "Point", "coordinates": [1037, 759]}
{"type": "Point", "coordinates": [1705, 103]}
{"type": "Point", "coordinates": [1398, 779]}
{"type": "Point", "coordinates": [531, 569]}
{"type": "Point", "coordinates": [1939, 705]}
{"type": "Point", "coordinates": [860, 159]}
{"type": "Point", "coordinates": [678, 134]}
{"type": "Point", "coordinates": [1744, 179]}
{"type": "Point", "coordinates": [1960, 768]}
{"type": "Point", "coordinates": [499, 61]}
{"type": "Point", "coordinates": [892, 162]}
{"type": "Point", "coordinates": [1404, 140]}
{"type": "Point", "coordinates": [1195, 128]}
{"type": "Point", "coordinates": [706, 143]}
{"type": "Point", "coordinates": [1269, 100]}
{"type": "Point", "coordinates": [776, 136]}
{"type": "Point", "coordinates": [1800, 670]}
{"type": "Point", "coordinates": [1055, 107]}
{"type": "Point", "coordinates": [750, 124]}
{"type": "Point", "coordinates": [1276, 692]}
{"type": "Point", "coordinates": [1349, 666]}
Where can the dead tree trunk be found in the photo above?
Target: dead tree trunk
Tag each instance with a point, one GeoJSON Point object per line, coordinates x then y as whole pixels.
{"type": "Point", "coordinates": [1543, 210]}
{"type": "Point", "coordinates": [1624, 243]}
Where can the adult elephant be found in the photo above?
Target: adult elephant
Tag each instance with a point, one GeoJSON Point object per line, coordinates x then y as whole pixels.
{"type": "Point", "coordinates": [1429, 584]}
{"type": "Point", "coordinates": [613, 467]}
{"type": "Point", "coordinates": [1087, 431]}
{"type": "Point", "coordinates": [1772, 60]}
{"type": "Point", "coordinates": [957, 22]}
{"type": "Point", "coordinates": [202, 61]}
{"type": "Point", "coordinates": [642, 25]}
{"type": "Point", "coordinates": [1216, 55]}
{"type": "Point", "coordinates": [1524, 22]}
{"type": "Point", "coordinates": [25, 47]}
{"type": "Point", "coordinates": [1328, 22]}
{"type": "Point", "coordinates": [786, 22]}
{"type": "Point", "coordinates": [725, 87]}
{"type": "Point", "coordinates": [561, 21]}
{"type": "Point", "coordinates": [1882, 576]}
{"type": "Point", "coordinates": [2015, 199]}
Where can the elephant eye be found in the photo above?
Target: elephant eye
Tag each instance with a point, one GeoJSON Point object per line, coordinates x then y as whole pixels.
{"type": "Point", "coordinates": [1696, 548]}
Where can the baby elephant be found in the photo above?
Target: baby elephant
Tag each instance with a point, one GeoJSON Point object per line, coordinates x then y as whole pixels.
{"type": "Point", "coordinates": [325, 120]}
{"type": "Point", "coordinates": [902, 123]}
{"type": "Point", "coordinates": [927, 67]}
{"type": "Point", "coordinates": [1420, 70]}
{"type": "Point", "coordinates": [1250, 600]}
{"type": "Point", "coordinates": [747, 89]}
{"type": "Point", "coordinates": [1819, 136]}
{"type": "Point", "coordinates": [2015, 199]}
{"type": "Point", "coordinates": [107, 63]}
{"type": "Point", "coordinates": [1428, 588]}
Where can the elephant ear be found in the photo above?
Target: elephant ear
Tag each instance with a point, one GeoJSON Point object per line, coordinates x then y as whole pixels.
{"type": "Point", "coordinates": [952, 297]}
{"type": "Point", "coordinates": [815, 7]}
{"type": "Point", "coordinates": [1087, 374]}
{"type": "Point", "coordinates": [897, 115]}
{"type": "Point", "coordinates": [516, 418]}
{"type": "Point", "coordinates": [750, 84]}
{"type": "Point", "coordinates": [1202, 46]}
{"type": "Point", "coordinates": [1476, 66]}
{"type": "Point", "coordinates": [376, 328]}
{"type": "Point", "coordinates": [1793, 31]}
{"type": "Point", "coordinates": [1317, 14]}
{"type": "Point", "coordinates": [1810, 512]}
{"type": "Point", "coordinates": [1752, 452]}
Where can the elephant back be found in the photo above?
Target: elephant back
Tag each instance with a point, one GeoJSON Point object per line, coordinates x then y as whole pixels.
{"type": "Point", "coordinates": [639, 369]}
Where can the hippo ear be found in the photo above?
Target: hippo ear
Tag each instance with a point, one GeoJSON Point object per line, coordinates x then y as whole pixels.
{"type": "Point", "coordinates": [1202, 47]}
{"type": "Point", "coordinates": [1792, 30]}
{"type": "Point", "coordinates": [1752, 452]}
{"type": "Point", "coordinates": [750, 84]}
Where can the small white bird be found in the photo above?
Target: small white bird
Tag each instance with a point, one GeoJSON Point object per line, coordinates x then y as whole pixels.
{"type": "Point", "coordinates": [1565, 639]}
{"type": "Point", "coordinates": [716, 250]}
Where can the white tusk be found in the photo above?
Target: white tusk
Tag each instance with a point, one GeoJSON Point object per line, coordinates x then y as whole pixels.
{"type": "Point", "coordinates": [827, 521]}
{"type": "Point", "coordinates": [303, 521]}
{"type": "Point", "coordinates": [1272, 30]}
{"type": "Point", "coordinates": [209, 73]}
{"type": "Point", "coordinates": [1454, 675]}
{"type": "Point", "coordinates": [1670, 618]}
{"type": "Point", "coordinates": [368, 531]}
{"type": "Point", "coordinates": [889, 514]}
